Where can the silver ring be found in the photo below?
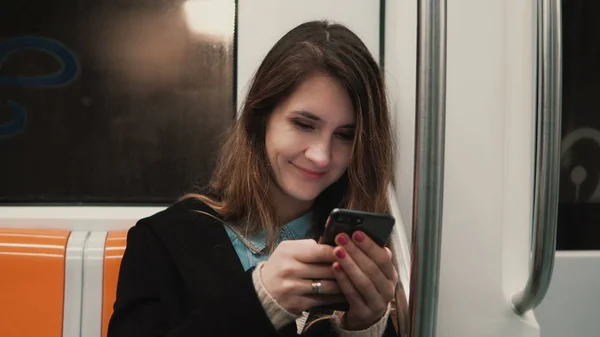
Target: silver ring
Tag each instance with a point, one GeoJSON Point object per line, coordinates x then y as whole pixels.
{"type": "Point", "coordinates": [316, 287]}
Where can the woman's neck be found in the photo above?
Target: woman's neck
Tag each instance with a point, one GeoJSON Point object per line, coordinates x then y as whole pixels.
{"type": "Point", "coordinates": [288, 207]}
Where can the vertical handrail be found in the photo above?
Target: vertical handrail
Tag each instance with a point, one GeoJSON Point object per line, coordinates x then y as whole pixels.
{"type": "Point", "coordinates": [548, 143]}
{"type": "Point", "coordinates": [429, 167]}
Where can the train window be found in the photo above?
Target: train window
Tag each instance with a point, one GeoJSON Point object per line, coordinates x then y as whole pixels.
{"type": "Point", "coordinates": [112, 101]}
{"type": "Point", "coordinates": [579, 207]}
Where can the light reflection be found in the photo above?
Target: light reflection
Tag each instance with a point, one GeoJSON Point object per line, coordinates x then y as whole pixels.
{"type": "Point", "coordinates": [206, 17]}
{"type": "Point", "coordinates": [32, 254]}
{"type": "Point", "coordinates": [31, 245]}
{"type": "Point", "coordinates": [115, 248]}
{"type": "Point", "coordinates": [145, 49]}
{"type": "Point", "coordinates": [28, 235]}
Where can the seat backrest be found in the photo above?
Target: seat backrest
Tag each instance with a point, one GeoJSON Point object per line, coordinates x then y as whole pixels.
{"type": "Point", "coordinates": [32, 281]}
{"type": "Point", "coordinates": [114, 249]}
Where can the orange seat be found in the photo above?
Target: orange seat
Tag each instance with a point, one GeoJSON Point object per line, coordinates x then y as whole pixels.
{"type": "Point", "coordinates": [114, 249]}
{"type": "Point", "coordinates": [32, 280]}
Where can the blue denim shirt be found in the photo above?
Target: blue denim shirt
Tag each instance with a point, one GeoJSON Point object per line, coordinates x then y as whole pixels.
{"type": "Point", "coordinates": [254, 249]}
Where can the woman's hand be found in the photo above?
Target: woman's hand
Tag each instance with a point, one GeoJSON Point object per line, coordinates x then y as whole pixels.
{"type": "Point", "coordinates": [366, 276]}
{"type": "Point", "coordinates": [289, 274]}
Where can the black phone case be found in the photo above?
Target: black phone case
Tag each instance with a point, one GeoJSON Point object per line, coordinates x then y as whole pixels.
{"type": "Point", "coordinates": [377, 226]}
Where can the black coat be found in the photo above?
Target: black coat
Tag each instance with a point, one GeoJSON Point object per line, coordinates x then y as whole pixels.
{"type": "Point", "coordinates": [180, 276]}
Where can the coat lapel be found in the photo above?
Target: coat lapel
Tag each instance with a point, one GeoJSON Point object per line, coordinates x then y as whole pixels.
{"type": "Point", "coordinates": [204, 255]}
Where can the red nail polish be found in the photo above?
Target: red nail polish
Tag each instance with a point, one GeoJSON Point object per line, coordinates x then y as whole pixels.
{"type": "Point", "coordinates": [340, 253]}
{"type": "Point", "coordinates": [359, 236]}
{"type": "Point", "coordinates": [343, 240]}
{"type": "Point", "coordinates": [337, 267]}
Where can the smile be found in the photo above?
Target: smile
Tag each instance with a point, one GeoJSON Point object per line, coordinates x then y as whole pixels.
{"type": "Point", "coordinates": [309, 173]}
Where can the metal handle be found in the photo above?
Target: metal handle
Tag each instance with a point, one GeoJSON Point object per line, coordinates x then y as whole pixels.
{"type": "Point", "coordinates": [545, 204]}
{"type": "Point", "coordinates": [429, 167]}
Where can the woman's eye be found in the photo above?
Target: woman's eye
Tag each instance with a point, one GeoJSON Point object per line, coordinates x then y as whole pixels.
{"type": "Point", "coordinates": [346, 136]}
{"type": "Point", "coordinates": [303, 126]}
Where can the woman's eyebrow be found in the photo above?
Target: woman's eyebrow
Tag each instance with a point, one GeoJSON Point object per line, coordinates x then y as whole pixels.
{"type": "Point", "coordinates": [316, 118]}
{"type": "Point", "coordinates": [308, 115]}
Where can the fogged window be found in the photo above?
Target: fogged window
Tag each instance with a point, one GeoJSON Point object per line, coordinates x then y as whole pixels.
{"type": "Point", "coordinates": [579, 208]}
{"type": "Point", "coordinates": [112, 101]}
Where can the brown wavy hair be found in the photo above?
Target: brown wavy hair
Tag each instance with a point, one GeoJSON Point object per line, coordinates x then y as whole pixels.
{"type": "Point", "coordinates": [240, 187]}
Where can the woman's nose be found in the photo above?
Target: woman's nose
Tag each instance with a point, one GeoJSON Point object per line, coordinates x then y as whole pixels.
{"type": "Point", "coordinates": [319, 153]}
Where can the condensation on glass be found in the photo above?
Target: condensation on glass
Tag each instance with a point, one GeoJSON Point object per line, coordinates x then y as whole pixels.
{"type": "Point", "coordinates": [112, 101]}
{"type": "Point", "coordinates": [579, 208]}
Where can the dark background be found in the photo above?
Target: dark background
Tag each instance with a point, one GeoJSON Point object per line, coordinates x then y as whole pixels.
{"type": "Point", "coordinates": [579, 208]}
{"type": "Point", "coordinates": [141, 121]}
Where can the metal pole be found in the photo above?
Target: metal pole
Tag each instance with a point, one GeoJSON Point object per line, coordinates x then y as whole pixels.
{"type": "Point", "coordinates": [429, 167]}
{"type": "Point", "coordinates": [548, 150]}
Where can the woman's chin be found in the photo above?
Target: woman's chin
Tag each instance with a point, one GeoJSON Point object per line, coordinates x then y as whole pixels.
{"type": "Point", "coordinates": [303, 193]}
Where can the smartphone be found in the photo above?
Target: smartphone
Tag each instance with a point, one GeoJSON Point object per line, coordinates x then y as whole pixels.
{"type": "Point", "coordinates": [377, 226]}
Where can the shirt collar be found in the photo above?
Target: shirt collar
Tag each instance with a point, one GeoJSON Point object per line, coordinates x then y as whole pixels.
{"type": "Point", "coordinates": [296, 229]}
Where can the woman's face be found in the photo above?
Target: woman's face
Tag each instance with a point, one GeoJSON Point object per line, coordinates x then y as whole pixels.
{"type": "Point", "coordinates": [309, 138]}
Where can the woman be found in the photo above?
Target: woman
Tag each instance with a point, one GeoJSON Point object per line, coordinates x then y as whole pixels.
{"type": "Point", "coordinates": [242, 257]}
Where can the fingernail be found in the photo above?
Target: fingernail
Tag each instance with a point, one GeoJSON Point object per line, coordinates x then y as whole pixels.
{"type": "Point", "coordinates": [337, 267]}
{"type": "Point", "coordinates": [343, 240]}
{"type": "Point", "coordinates": [340, 253]}
{"type": "Point", "coordinates": [359, 236]}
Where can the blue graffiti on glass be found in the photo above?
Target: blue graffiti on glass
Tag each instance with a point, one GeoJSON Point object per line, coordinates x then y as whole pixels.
{"type": "Point", "coordinates": [65, 74]}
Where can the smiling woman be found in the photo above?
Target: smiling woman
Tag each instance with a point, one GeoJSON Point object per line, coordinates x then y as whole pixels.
{"type": "Point", "coordinates": [314, 73]}
{"type": "Point", "coordinates": [313, 135]}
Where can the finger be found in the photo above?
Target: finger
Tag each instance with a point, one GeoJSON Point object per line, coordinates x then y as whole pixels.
{"type": "Point", "coordinates": [352, 295]}
{"type": "Point", "coordinates": [313, 271]}
{"type": "Point", "coordinates": [308, 251]}
{"type": "Point", "coordinates": [364, 262]}
{"type": "Point", "coordinates": [357, 277]}
{"type": "Point", "coordinates": [389, 252]}
{"type": "Point", "coordinates": [381, 256]}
